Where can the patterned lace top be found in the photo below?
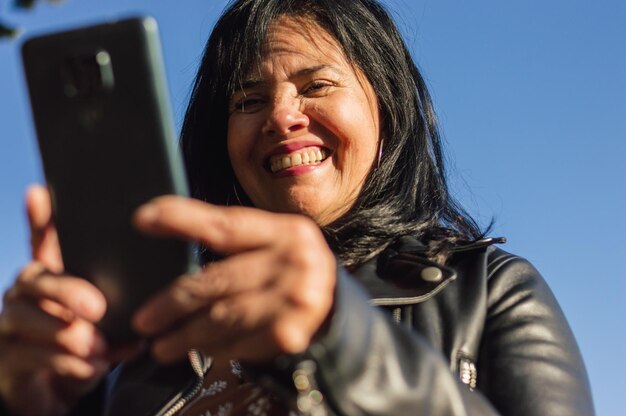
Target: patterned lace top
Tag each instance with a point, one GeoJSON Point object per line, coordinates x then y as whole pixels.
{"type": "Point", "coordinates": [226, 392]}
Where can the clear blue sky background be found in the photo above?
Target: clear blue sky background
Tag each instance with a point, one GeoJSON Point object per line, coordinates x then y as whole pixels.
{"type": "Point", "coordinates": [532, 101]}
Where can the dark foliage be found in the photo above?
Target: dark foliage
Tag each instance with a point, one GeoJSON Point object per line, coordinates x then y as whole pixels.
{"type": "Point", "coordinates": [9, 31]}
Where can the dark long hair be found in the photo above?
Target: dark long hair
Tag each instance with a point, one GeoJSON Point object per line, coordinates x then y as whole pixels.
{"type": "Point", "coordinates": [406, 194]}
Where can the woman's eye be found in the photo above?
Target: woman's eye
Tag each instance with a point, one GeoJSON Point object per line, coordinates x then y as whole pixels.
{"type": "Point", "coordinates": [248, 105]}
{"type": "Point", "coordinates": [316, 87]}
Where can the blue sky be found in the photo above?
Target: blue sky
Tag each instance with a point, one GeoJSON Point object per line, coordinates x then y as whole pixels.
{"type": "Point", "coordinates": [531, 97]}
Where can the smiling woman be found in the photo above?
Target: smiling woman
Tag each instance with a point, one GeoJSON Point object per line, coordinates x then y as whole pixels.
{"type": "Point", "coordinates": [303, 135]}
{"type": "Point", "coordinates": [340, 276]}
{"type": "Point", "coordinates": [365, 103]}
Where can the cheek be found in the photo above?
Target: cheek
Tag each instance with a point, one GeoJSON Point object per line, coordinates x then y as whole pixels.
{"type": "Point", "coordinates": [231, 145]}
{"type": "Point", "coordinates": [238, 143]}
{"type": "Point", "coordinates": [363, 156]}
{"type": "Point", "coordinates": [358, 133]}
{"type": "Point", "coordinates": [237, 156]}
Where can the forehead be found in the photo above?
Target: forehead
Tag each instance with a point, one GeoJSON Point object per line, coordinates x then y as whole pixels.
{"type": "Point", "coordinates": [304, 41]}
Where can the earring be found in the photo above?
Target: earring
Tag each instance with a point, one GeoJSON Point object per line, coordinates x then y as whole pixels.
{"type": "Point", "coordinates": [380, 152]}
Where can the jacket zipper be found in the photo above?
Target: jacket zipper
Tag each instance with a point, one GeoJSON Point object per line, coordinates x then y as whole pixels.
{"type": "Point", "coordinates": [468, 372]}
{"type": "Point", "coordinates": [397, 315]}
{"type": "Point", "coordinates": [196, 363]}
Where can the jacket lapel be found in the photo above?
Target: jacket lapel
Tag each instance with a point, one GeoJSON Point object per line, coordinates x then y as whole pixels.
{"type": "Point", "coordinates": [403, 275]}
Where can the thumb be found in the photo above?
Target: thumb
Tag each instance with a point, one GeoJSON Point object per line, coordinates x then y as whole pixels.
{"type": "Point", "coordinates": [43, 234]}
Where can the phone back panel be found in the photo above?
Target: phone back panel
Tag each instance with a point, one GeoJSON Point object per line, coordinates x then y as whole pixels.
{"type": "Point", "coordinates": [107, 143]}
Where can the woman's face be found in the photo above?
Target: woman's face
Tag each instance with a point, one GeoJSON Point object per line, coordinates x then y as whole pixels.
{"type": "Point", "coordinates": [303, 131]}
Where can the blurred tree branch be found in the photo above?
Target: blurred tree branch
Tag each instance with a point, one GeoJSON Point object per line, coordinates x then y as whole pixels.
{"type": "Point", "coordinates": [9, 31]}
{"type": "Point", "coordinates": [28, 4]}
{"type": "Point", "coordinates": [24, 4]}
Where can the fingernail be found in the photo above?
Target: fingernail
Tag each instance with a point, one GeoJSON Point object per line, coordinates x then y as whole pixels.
{"type": "Point", "coordinates": [147, 213]}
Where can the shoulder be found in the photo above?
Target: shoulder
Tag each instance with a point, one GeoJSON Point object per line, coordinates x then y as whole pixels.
{"type": "Point", "coordinates": [513, 278]}
{"type": "Point", "coordinates": [527, 342]}
{"type": "Point", "coordinates": [500, 261]}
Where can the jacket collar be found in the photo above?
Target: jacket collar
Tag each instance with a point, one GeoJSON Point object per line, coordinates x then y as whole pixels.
{"type": "Point", "coordinates": [403, 275]}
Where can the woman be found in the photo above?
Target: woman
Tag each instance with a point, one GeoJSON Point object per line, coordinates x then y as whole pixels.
{"type": "Point", "coordinates": [345, 280]}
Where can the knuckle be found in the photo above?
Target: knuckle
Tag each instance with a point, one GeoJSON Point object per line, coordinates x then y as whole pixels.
{"type": "Point", "coordinates": [77, 338]}
{"type": "Point", "coordinates": [221, 221]}
{"type": "Point", "coordinates": [32, 282]}
{"type": "Point", "coordinates": [216, 281]}
{"type": "Point", "coordinates": [288, 337]}
{"type": "Point", "coordinates": [300, 258]}
{"type": "Point", "coordinates": [30, 272]}
{"type": "Point", "coordinates": [63, 364]}
{"type": "Point", "coordinates": [315, 276]}
{"type": "Point", "coordinates": [193, 291]}
{"type": "Point", "coordinates": [306, 245]}
{"type": "Point", "coordinates": [304, 258]}
{"type": "Point", "coordinates": [312, 295]}
{"type": "Point", "coordinates": [306, 296]}
{"type": "Point", "coordinates": [303, 229]}
{"type": "Point", "coordinates": [223, 313]}
{"type": "Point", "coordinates": [182, 294]}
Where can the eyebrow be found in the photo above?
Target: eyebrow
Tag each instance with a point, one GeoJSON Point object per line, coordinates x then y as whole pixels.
{"type": "Point", "coordinates": [255, 82]}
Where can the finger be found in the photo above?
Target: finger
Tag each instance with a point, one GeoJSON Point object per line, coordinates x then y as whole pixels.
{"type": "Point", "coordinates": [38, 209]}
{"type": "Point", "coordinates": [223, 229]}
{"type": "Point", "coordinates": [19, 358]}
{"type": "Point", "coordinates": [219, 325]}
{"type": "Point", "coordinates": [77, 296]}
{"type": "Point", "coordinates": [232, 276]}
{"type": "Point", "coordinates": [259, 344]}
{"type": "Point", "coordinates": [26, 322]}
{"type": "Point", "coordinates": [44, 239]}
{"type": "Point", "coordinates": [264, 344]}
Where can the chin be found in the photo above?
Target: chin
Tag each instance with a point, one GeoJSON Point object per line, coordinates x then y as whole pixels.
{"type": "Point", "coordinates": [302, 208]}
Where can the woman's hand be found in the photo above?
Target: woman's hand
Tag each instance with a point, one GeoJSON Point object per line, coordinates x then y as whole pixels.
{"type": "Point", "coordinates": [50, 352]}
{"type": "Point", "coordinates": [270, 295]}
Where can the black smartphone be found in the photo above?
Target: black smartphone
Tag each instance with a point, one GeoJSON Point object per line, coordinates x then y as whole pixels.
{"type": "Point", "coordinates": [107, 142]}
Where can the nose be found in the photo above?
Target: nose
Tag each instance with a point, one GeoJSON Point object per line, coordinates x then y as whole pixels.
{"type": "Point", "coordinates": [286, 116]}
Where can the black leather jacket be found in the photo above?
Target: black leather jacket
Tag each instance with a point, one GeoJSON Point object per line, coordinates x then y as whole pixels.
{"type": "Point", "coordinates": [481, 336]}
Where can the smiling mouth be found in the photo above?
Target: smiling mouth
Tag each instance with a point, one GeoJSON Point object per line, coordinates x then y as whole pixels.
{"type": "Point", "coordinates": [306, 156]}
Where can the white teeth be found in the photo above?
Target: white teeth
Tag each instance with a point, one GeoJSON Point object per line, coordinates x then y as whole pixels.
{"type": "Point", "coordinates": [303, 157]}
